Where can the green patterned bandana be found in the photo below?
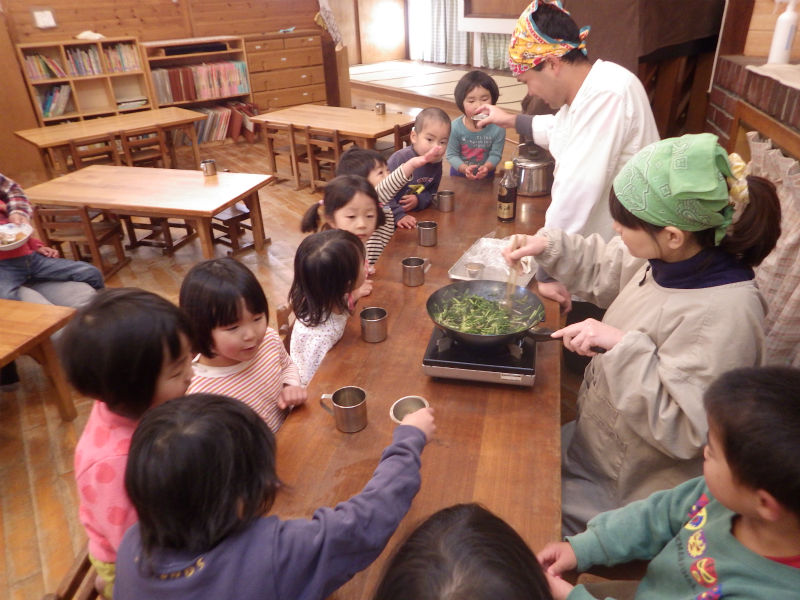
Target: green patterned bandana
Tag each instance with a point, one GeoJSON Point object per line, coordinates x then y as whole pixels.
{"type": "Point", "coordinates": [679, 182]}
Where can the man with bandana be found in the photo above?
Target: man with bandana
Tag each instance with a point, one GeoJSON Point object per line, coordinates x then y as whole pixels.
{"type": "Point", "coordinates": [603, 119]}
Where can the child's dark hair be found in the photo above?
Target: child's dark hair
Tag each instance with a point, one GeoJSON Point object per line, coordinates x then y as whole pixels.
{"type": "Point", "coordinates": [430, 114]}
{"type": "Point", "coordinates": [559, 25]}
{"type": "Point", "coordinates": [114, 348]}
{"type": "Point", "coordinates": [464, 552]}
{"type": "Point", "coordinates": [327, 266]}
{"type": "Point", "coordinates": [472, 80]}
{"type": "Point", "coordinates": [339, 191]}
{"type": "Point", "coordinates": [212, 293]}
{"type": "Point", "coordinates": [750, 239]}
{"type": "Point", "coordinates": [756, 413]}
{"type": "Point", "coordinates": [359, 161]}
{"type": "Point", "coordinates": [200, 468]}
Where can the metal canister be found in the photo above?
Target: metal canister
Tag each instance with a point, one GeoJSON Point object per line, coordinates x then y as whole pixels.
{"type": "Point", "coordinates": [380, 108]}
{"type": "Point", "coordinates": [534, 170]}
{"type": "Point", "coordinates": [209, 167]}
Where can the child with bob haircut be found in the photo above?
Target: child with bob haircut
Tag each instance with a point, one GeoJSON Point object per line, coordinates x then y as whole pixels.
{"type": "Point", "coordinates": [201, 474]}
{"type": "Point", "coordinates": [430, 135]}
{"type": "Point", "coordinates": [474, 152]}
{"type": "Point", "coordinates": [328, 267]}
{"type": "Point", "coordinates": [370, 165]}
{"type": "Point", "coordinates": [239, 355]}
{"type": "Point", "coordinates": [733, 533]}
{"type": "Point", "coordinates": [463, 551]}
{"type": "Point", "coordinates": [683, 308]}
{"type": "Point", "coordinates": [130, 350]}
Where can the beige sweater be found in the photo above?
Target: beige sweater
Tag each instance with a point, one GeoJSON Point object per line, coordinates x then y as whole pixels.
{"type": "Point", "coordinates": [641, 424]}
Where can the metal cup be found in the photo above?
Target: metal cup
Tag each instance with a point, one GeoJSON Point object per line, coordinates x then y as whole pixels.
{"type": "Point", "coordinates": [373, 324]}
{"type": "Point", "coordinates": [444, 200]}
{"type": "Point", "coordinates": [474, 269]}
{"type": "Point", "coordinates": [380, 108]}
{"type": "Point", "coordinates": [209, 167]}
{"type": "Point", "coordinates": [414, 269]}
{"type": "Point", "coordinates": [405, 406]}
{"type": "Point", "coordinates": [348, 407]}
{"type": "Point", "coordinates": [426, 231]}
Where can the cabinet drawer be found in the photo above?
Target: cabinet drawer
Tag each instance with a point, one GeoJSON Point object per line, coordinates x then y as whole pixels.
{"type": "Point", "coordinates": [284, 59]}
{"type": "Point", "coordinates": [305, 41]}
{"type": "Point", "coordinates": [289, 97]}
{"type": "Point", "coordinates": [262, 45]}
{"type": "Point", "coordinates": [286, 78]}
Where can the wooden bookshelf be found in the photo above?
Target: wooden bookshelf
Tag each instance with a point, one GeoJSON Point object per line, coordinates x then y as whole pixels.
{"type": "Point", "coordinates": [76, 79]}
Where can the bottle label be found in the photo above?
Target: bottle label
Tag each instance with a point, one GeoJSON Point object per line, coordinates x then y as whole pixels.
{"type": "Point", "coordinates": [505, 210]}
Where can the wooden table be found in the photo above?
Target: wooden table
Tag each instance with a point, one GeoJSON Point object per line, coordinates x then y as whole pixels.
{"type": "Point", "coordinates": [27, 328]}
{"type": "Point", "coordinates": [362, 126]}
{"type": "Point", "coordinates": [148, 192]}
{"type": "Point", "coordinates": [496, 444]}
{"type": "Point", "coordinates": [52, 140]}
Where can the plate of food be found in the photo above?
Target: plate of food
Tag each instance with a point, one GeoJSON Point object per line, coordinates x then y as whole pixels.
{"type": "Point", "coordinates": [13, 236]}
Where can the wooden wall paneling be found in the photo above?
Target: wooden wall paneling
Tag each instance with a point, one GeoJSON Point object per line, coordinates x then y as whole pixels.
{"type": "Point", "coordinates": [18, 159]}
{"type": "Point", "coordinates": [238, 17]}
{"type": "Point", "coordinates": [145, 19]}
{"type": "Point", "coordinates": [762, 24]}
{"type": "Point", "coordinates": [382, 38]}
{"type": "Point", "coordinates": [734, 30]}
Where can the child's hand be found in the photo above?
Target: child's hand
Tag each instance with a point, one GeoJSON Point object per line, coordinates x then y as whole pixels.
{"type": "Point", "coordinates": [407, 222]}
{"type": "Point", "coordinates": [556, 558]}
{"type": "Point", "coordinates": [591, 333]}
{"type": "Point", "coordinates": [470, 171]}
{"type": "Point", "coordinates": [47, 251]}
{"type": "Point", "coordinates": [483, 171]}
{"type": "Point", "coordinates": [364, 290]}
{"type": "Point", "coordinates": [19, 218]}
{"type": "Point", "coordinates": [559, 588]}
{"type": "Point", "coordinates": [433, 155]}
{"type": "Point", "coordinates": [422, 419]}
{"type": "Point", "coordinates": [371, 270]}
{"type": "Point", "coordinates": [291, 396]}
{"type": "Point", "coordinates": [409, 202]}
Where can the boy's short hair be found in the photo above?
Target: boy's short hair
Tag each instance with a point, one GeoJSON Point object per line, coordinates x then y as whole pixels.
{"type": "Point", "coordinates": [429, 114]}
{"type": "Point", "coordinates": [200, 468]}
{"type": "Point", "coordinates": [756, 413]}
{"type": "Point", "coordinates": [472, 80]}
{"type": "Point", "coordinates": [113, 349]}
{"type": "Point", "coordinates": [359, 161]}
{"type": "Point", "coordinates": [464, 551]}
{"type": "Point", "coordinates": [558, 25]}
{"type": "Point", "coordinates": [211, 295]}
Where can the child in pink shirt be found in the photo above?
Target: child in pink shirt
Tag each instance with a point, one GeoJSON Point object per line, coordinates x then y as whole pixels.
{"type": "Point", "coordinates": [129, 349]}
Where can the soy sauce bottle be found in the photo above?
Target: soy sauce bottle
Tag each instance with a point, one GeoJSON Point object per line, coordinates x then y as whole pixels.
{"type": "Point", "coordinates": [507, 195]}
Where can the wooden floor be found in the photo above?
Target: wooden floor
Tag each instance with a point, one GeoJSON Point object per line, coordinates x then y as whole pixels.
{"type": "Point", "coordinates": [39, 529]}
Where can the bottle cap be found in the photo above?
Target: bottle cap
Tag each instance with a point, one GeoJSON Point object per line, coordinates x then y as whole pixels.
{"type": "Point", "coordinates": [508, 165]}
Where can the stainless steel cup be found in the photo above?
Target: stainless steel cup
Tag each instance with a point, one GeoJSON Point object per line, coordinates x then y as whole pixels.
{"type": "Point", "coordinates": [209, 167]}
{"type": "Point", "coordinates": [414, 269]}
{"type": "Point", "coordinates": [380, 108]}
{"type": "Point", "coordinates": [426, 233]}
{"type": "Point", "coordinates": [445, 200]}
{"type": "Point", "coordinates": [373, 324]}
{"type": "Point", "coordinates": [405, 406]}
{"type": "Point", "coordinates": [348, 407]}
{"type": "Point", "coordinates": [474, 269]}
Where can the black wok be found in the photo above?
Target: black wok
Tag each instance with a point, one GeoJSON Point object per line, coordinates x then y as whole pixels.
{"type": "Point", "coordinates": [523, 301]}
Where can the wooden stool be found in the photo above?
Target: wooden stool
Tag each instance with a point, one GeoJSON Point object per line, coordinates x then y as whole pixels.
{"type": "Point", "coordinates": [231, 222]}
{"type": "Point", "coordinates": [78, 583]}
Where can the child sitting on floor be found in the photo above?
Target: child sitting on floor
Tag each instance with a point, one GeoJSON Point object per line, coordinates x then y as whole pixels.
{"type": "Point", "coordinates": [474, 152]}
{"type": "Point", "coordinates": [463, 551]}
{"type": "Point", "coordinates": [370, 165]}
{"type": "Point", "coordinates": [201, 475]}
{"type": "Point", "coordinates": [130, 350]}
{"type": "Point", "coordinates": [431, 132]}
{"type": "Point", "coordinates": [733, 533]}
{"type": "Point", "coordinates": [240, 355]}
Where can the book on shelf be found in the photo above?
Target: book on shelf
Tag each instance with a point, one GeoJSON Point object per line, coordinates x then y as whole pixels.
{"type": "Point", "coordinates": [83, 61]}
{"type": "Point", "coordinates": [54, 101]}
{"type": "Point", "coordinates": [39, 66]}
{"type": "Point", "coordinates": [126, 103]}
{"type": "Point", "coordinates": [122, 57]}
{"type": "Point", "coordinates": [201, 82]}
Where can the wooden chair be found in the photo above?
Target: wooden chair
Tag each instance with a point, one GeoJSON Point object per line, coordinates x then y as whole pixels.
{"type": "Point", "coordinates": [285, 319]}
{"type": "Point", "coordinates": [324, 148]}
{"type": "Point", "coordinates": [99, 150]}
{"type": "Point", "coordinates": [400, 138]}
{"type": "Point", "coordinates": [78, 583]}
{"type": "Point", "coordinates": [232, 222]}
{"type": "Point", "coordinates": [281, 140]}
{"type": "Point", "coordinates": [145, 147]}
{"type": "Point", "coordinates": [74, 226]}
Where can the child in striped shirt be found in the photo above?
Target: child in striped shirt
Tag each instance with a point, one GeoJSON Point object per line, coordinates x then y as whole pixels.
{"type": "Point", "coordinates": [239, 355]}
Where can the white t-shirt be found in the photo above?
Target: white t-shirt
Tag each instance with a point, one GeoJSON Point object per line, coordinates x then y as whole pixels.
{"type": "Point", "coordinates": [309, 345]}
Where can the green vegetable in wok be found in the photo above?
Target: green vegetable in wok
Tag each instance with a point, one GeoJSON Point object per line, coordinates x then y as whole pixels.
{"type": "Point", "coordinates": [470, 313]}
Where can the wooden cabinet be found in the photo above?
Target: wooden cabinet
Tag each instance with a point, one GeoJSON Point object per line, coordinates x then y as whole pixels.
{"type": "Point", "coordinates": [286, 69]}
{"type": "Point", "coordinates": [75, 80]}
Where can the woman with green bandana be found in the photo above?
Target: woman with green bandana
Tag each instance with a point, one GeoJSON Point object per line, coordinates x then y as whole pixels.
{"type": "Point", "coordinates": [683, 308]}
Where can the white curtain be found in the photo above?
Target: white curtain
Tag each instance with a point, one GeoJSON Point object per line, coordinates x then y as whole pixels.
{"type": "Point", "coordinates": [494, 50]}
{"type": "Point", "coordinates": [433, 32]}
